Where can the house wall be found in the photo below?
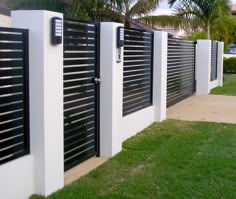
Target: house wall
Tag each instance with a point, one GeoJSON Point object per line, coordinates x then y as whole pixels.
{"type": "Point", "coordinates": [17, 179]}
{"type": "Point", "coordinates": [5, 21]}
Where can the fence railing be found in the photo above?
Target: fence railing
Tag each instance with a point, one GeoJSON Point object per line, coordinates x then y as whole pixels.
{"type": "Point", "coordinates": [138, 64]}
{"type": "Point", "coordinates": [14, 98]}
{"type": "Point", "coordinates": [180, 70]}
{"type": "Point", "coordinates": [214, 56]}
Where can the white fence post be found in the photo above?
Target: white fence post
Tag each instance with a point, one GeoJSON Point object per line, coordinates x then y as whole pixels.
{"type": "Point", "coordinates": [220, 63]}
{"type": "Point", "coordinates": [46, 99]}
{"type": "Point", "coordinates": [111, 90]}
{"type": "Point", "coordinates": [160, 74]}
{"type": "Point", "coordinates": [203, 67]}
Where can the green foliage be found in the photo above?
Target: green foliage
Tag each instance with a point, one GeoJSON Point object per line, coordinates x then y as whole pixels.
{"type": "Point", "coordinates": [224, 29]}
{"type": "Point", "coordinates": [163, 21]}
{"type": "Point", "coordinates": [230, 65]}
{"type": "Point", "coordinates": [204, 12]}
{"type": "Point", "coordinates": [197, 35]}
{"type": "Point", "coordinates": [229, 87]}
{"type": "Point", "coordinates": [168, 160]}
{"type": "Point", "coordinates": [53, 5]}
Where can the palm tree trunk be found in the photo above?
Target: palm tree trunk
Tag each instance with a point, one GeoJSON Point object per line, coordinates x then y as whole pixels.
{"type": "Point", "coordinates": [208, 30]}
{"type": "Point", "coordinates": [127, 22]}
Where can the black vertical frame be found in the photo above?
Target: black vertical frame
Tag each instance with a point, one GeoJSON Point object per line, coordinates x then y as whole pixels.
{"type": "Point", "coordinates": [97, 97]}
{"type": "Point", "coordinates": [152, 75]}
{"type": "Point", "coordinates": [26, 92]}
{"type": "Point", "coordinates": [195, 79]}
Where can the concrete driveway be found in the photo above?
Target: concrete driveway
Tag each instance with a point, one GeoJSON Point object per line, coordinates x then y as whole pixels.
{"type": "Point", "coordinates": [212, 108]}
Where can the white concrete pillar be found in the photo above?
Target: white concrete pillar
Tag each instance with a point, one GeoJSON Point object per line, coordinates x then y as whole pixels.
{"type": "Point", "coordinates": [46, 99]}
{"type": "Point", "coordinates": [111, 91]}
{"type": "Point", "coordinates": [160, 74]}
{"type": "Point", "coordinates": [220, 62]}
{"type": "Point", "coordinates": [203, 67]}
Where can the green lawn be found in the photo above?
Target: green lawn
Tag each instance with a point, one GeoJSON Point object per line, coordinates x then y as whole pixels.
{"type": "Point", "coordinates": [168, 160]}
{"type": "Point", "coordinates": [229, 87]}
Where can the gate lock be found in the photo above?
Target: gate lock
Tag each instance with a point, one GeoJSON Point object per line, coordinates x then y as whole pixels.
{"type": "Point", "coordinates": [97, 80]}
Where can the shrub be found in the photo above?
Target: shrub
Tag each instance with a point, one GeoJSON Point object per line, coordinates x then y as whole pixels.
{"type": "Point", "coordinates": [230, 65]}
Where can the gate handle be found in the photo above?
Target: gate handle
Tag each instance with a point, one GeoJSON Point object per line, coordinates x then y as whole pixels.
{"type": "Point", "coordinates": [97, 80]}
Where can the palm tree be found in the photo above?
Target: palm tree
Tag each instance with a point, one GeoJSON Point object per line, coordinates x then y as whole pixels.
{"type": "Point", "coordinates": [206, 12]}
{"type": "Point", "coordinates": [130, 9]}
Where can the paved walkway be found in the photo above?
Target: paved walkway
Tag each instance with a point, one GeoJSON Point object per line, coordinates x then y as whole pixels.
{"type": "Point", "coordinates": [212, 108]}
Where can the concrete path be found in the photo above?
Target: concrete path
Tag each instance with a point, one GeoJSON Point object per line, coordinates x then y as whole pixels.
{"type": "Point", "coordinates": [83, 169]}
{"type": "Point", "coordinates": [212, 108]}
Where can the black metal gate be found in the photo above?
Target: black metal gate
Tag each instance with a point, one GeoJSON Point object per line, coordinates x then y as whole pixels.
{"type": "Point", "coordinates": [180, 70]}
{"type": "Point", "coordinates": [214, 56]}
{"type": "Point", "coordinates": [81, 91]}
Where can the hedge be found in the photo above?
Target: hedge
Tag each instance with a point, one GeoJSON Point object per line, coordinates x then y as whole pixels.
{"type": "Point", "coordinates": [230, 65]}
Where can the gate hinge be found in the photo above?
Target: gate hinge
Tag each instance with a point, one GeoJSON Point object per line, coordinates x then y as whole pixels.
{"type": "Point", "coordinates": [97, 80]}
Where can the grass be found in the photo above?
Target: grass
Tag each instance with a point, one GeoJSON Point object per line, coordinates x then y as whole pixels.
{"type": "Point", "coordinates": [169, 160]}
{"type": "Point", "coordinates": [229, 87]}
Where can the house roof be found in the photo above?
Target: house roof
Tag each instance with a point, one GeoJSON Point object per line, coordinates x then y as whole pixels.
{"type": "Point", "coordinates": [4, 10]}
{"type": "Point", "coordinates": [142, 26]}
{"type": "Point", "coordinates": [233, 9]}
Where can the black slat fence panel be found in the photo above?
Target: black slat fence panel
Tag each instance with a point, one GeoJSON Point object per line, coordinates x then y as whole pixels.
{"type": "Point", "coordinates": [80, 91]}
{"type": "Point", "coordinates": [180, 70]}
{"type": "Point", "coordinates": [214, 56]}
{"type": "Point", "coordinates": [138, 70]}
{"type": "Point", "coordinates": [14, 94]}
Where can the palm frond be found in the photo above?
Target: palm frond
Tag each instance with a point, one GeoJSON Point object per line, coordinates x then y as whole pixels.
{"type": "Point", "coordinates": [142, 7]}
{"type": "Point", "coordinates": [164, 21]}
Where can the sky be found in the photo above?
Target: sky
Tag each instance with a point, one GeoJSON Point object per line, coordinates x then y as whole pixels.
{"type": "Point", "coordinates": [165, 10]}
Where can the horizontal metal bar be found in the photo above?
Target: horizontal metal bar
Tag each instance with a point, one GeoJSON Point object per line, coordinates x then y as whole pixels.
{"type": "Point", "coordinates": [78, 26]}
{"type": "Point", "coordinates": [11, 46]}
{"type": "Point", "coordinates": [79, 142]}
{"type": "Point", "coordinates": [75, 131]}
{"type": "Point", "coordinates": [135, 38]}
{"type": "Point", "coordinates": [79, 33]}
{"type": "Point", "coordinates": [11, 107]}
{"type": "Point", "coordinates": [12, 116]}
{"type": "Point", "coordinates": [88, 153]}
{"type": "Point", "coordinates": [11, 141]}
{"type": "Point", "coordinates": [76, 41]}
{"type": "Point", "coordinates": [137, 63]}
{"type": "Point", "coordinates": [76, 151]}
{"type": "Point", "coordinates": [78, 89]}
{"type": "Point", "coordinates": [79, 116]}
{"type": "Point", "coordinates": [78, 82]}
{"type": "Point", "coordinates": [79, 55]}
{"type": "Point", "coordinates": [79, 109]}
{"type": "Point", "coordinates": [11, 124]}
{"type": "Point", "coordinates": [11, 133]}
{"type": "Point", "coordinates": [79, 48]}
{"type": "Point", "coordinates": [75, 125]}
{"type": "Point", "coordinates": [79, 62]}
{"type": "Point", "coordinates": [11, 63]}
{"type": "Point", "coordinates": [81, 95]}
{"type": "Point", "coordinates": [13, 151]}
{"type": "Point", "coordinates": [11, 37]}
{"type": "Point", "coordinates": [11, 81]}
{"type": "Point", "coordinates": [79, 103]}
{"type": "Point", "coordinates": [136, 90]}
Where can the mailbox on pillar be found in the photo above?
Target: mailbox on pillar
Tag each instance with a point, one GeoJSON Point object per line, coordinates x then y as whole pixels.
{"type": "Point", "coordinates": [120, 43]}
{"type": "Point", "coordinates": [56, 30]}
